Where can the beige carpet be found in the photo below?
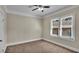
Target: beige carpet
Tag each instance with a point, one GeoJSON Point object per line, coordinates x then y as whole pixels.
{"type": "Point", "coordinates": [39, 46]}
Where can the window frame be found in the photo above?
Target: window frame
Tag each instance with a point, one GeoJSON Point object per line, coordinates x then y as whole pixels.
{"type": "Point", "coordinates": [53, 27]}
{"type": "Point", "coordinates": [72, 37]}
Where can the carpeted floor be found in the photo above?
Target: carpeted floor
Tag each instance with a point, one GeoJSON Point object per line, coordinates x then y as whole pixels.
{"type": "Point", "coordinates": [39, 46]}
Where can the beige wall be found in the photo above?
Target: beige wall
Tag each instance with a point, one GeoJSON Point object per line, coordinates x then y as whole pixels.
{"type": "Point", "coordinates": [22, 28]}
{"type": "Point", "coordinates": [66, 42]}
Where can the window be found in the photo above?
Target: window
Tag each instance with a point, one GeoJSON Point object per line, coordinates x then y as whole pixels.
{"type": "Point", "coordinates": [55, 27]}
{"type": "Point", "coordinates": [62, 27]}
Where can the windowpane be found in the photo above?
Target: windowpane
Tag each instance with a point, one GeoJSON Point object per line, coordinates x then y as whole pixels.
{"type": "Point", "coordinates": [56, 23]}
{"type": "Point", "coordinates": [67, 21]}
{"type": "Point", "coordinates": [66, 31]}
{"type": "Point", "coordinates": [55, 31]}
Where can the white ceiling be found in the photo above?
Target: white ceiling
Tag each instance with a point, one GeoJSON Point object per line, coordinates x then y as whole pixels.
{"type": "Point", "coordinates": [25, 9]}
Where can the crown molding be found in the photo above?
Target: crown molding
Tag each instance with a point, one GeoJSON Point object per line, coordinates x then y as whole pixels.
{"type": "Point", "coordinates": [38, 17]}
{"type": "Point", "coordinates": [21, 14]}
{"type": "Point", "coordinates": [62, 10]}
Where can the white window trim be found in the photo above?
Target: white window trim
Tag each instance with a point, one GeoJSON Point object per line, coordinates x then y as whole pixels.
{"type": "Point", "coordinates": [52, 27]}
{"type": "Point", "coordinates": [72, 38]}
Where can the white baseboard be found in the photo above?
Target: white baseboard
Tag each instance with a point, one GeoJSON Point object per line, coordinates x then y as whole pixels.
{"type": "Point", "coordinates": [23, 42]}
{"type": "Point", "coordinates": [71, 48]}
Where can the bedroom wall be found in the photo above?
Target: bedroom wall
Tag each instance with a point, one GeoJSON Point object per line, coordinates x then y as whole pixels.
{"type": "Point", "coordinates": [22, 28]}
{"type": "Point", "coordinates": [3, 29]}
{"type": "Point", "coordinates": [74, 45]}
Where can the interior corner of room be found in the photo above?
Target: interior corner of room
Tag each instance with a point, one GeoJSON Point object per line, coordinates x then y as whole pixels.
{"type": "Point", "coordinates": [59, 27]}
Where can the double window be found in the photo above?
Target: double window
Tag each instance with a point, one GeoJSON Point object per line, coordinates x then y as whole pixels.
{"type": "Point", "coordinates": [62, 27]}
